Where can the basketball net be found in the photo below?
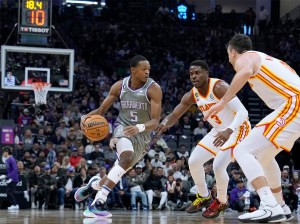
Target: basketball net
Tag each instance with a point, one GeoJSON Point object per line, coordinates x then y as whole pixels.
{"type": "Point", "coordinates": [40, 92]}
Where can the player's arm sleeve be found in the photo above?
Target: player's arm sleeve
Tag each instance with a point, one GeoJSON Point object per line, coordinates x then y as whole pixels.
{"type": "Point", "coordinates": [241, 114]}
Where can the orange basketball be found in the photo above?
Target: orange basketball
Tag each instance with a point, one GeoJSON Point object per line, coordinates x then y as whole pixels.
{"type": "Point", "coordinates": [95, 127]}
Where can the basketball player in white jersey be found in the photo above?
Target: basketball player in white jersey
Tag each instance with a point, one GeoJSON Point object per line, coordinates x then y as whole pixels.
{"type": "Point", "coordinates": [229, 127]}
{"type": "Point", "coordinates": [278, 86]}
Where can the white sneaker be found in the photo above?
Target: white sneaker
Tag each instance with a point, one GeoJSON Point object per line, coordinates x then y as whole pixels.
{"type": "Point", "coordinates": [61, 207]}
{"type": "Point", "coordinates": [33, 205]}
{"type": "Point", "coordinates": [265, 213]}
{"type": "Point", "coordinates": [13, 207]}
{"type": "Point", "coordinates": [99, 197]}
{"type": "Point", "coordinates": [287, 212]}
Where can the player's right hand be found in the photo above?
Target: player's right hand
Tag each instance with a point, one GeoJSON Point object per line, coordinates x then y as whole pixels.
{"type": "Point", "coordinates": [161, 128]}
{"type": "Point", "coordinates": [113, 142]}
{"type": "Point", "coordinates": [82, 125]}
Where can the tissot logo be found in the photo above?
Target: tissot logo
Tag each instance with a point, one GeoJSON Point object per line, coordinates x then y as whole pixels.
{"type": "Point", "coordinates": [34, 29]}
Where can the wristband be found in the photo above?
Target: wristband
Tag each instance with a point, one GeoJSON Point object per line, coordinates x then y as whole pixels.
{"type": "Point", "coordinates": [141, 127]}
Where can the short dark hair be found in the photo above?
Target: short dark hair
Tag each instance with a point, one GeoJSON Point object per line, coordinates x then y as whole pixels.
{"type": "Point", "coordinates": [200, 63]}
{"type": "Point", "coordinates": [136, 59]}
{"type": "Point", "coordinates": [240, 43]}
{"type": "Point", "coordinates": [7, 149]}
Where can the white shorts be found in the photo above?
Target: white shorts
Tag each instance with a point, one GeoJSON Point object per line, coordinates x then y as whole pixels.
{"type": "Point", "coordinates": [235, 138]}
{"type": "Point", "coordinates": [282, 126]}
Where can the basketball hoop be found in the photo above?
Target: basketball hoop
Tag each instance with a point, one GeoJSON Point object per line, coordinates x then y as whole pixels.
{"type": "Point", "coordinates": [40, 92]}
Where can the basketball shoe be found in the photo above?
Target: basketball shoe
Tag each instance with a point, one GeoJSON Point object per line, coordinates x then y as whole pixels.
{"type": "Point", "coordinates": [265, 213]}
{"type": "Point", "coordinates": [199, 203]}
{"type": "Point", "coordinates": [96, 220]}
{"type": "Point", "coordinates": [85, 191]}
{"type": "Point", "coordinates": [287, 213]}
{"type": "Point", "coordinates": [96, 211]}
{"type": "Point", "coordinates": [214, 209]}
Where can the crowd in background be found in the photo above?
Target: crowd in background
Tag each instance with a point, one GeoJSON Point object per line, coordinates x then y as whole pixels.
{"type": "Point", "coordinates": [56, 158]}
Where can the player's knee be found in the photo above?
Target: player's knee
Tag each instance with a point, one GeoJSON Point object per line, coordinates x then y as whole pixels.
{"type": "Point", "coordinates": [126, 159]}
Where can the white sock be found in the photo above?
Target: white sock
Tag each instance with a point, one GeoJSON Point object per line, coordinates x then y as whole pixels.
{"type": "Point", "coordinates": [279, 198]}
{"type": "Point", "coordinates": [105, 190]}
{"type": "Point", "coordinates": [266, 195]}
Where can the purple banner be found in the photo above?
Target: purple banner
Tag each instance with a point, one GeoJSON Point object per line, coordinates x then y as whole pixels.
{"type": "Point", "coordinates": [7, 136]}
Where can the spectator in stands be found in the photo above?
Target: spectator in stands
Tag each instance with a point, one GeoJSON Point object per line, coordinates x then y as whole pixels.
{"type": "Point", "coordinates": [32, 162]}
{"type": "Point", "coordinates": [89, 148]}
{"type": "Point", "coordinates": [97, 153]}
{"type": "Point", "coordinates": [41, 158]}
{"type": "Point", "coordinates": [18, 153]}
{"type": "Point", "coordinates": [79, 181]}
{"type": "Point", "coordinates": [75, 158]}
{"type": "Point", "coordinates": [51, 156]}
{"type": "Point", "coordinates": [35, 149]}
{"type": "Point", "coordinates": [250, 17]}
{"type": "Point", "coordinates": [47, 189]}
{"type": "Point", "coordinates": [57, 138]}
{"type": "Point", "coordinates": [163, 178]}
{"type": "Point", "coordinates": [9, 80]}
{"type": "Point", "coordinates": [33, 185]}
{"type": "Point", "coordinates": [289, 195]}
{"type": "Point", "coordinates": [120, 194]}
{"type": "Point", "coordinates": [140, 173]}
{"type": "Point", "coordinates": [41, 138]}
{"type": "Point", "coordinates": [241, 199]}
{"type": "Point", "coordinates": [178, 201]}
{"type": "Point", "coordinates": [263, 17]}
{"type": "Point", "coordinates": [200, 131]}
{"type": "Point", "coordinates": [65, 186]}
{"type": "Point", "coordinates": [233, 180]}
{"type": "Point", "coordinates": [167, 166]}
{"type": "Point", "coordinates": [28, 140]}
{"type": "Point", "coordinates": [26, 159]}
{"type": "Point", "coordinates": [182, 151]}
{"type": "Point", "coordinates": [158, 140]}
{"type": "Point", "coordinates": [177, 174]}
{"type": "Point", "coordinates": [64, 129]}
{"type": "Point", "coordinates": [156, 149]}
{"type": "Point", "coordinates": [25, 118]}
{"type": "Point", "coordinates": [153, 187]}
{"type": "Point", "coordinates": [155, 162]}
{"type": "Point", "coordinates": [82, 164]}
{"type": "Point", "coordinates": [135, 184]}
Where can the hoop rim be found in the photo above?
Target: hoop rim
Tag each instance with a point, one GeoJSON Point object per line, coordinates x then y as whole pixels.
{"type": "Point", "coordinates": [40, 85]}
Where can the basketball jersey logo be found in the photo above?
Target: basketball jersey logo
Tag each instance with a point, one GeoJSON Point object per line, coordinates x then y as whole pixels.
{"type": "Point", "coordinates": [280, 121]}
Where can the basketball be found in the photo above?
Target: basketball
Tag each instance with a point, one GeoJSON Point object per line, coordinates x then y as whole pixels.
{"type": "Point", "coordinates": [95, 127]}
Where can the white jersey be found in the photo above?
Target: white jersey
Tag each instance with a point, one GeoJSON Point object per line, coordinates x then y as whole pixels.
{"type": "Point", "coordinates": [278, 85]}
{"type": "Point", "coordinates": [224, 118]}
{"type": "Point", "coordinates": [274, 82]}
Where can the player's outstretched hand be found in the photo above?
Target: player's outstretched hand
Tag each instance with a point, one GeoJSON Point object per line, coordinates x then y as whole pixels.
{"type": "Point", "coordinates": [130, 131]}
{"type": "Point", "coordinates": [113, 142]}
{"type": "Point", "coordinates": [82, 119]}
{"type": "Point", "coordinates": [222, 137]}
{"type": "Point", "coordinates": [161, 128]}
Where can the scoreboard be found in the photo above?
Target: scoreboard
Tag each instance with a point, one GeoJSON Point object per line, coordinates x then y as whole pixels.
{"type": "Point", "coordinates": [35, 17]}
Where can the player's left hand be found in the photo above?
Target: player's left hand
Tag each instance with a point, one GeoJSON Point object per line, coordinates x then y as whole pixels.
{"type": "Point", "coordinates": [131, 131]}
{"type": "Point", "coordinates": [214, 109]}
{"type": "Point", "coordinates": [222, 137]}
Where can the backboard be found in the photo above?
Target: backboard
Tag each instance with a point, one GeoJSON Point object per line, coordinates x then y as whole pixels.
{"type": "Point", "coordinates": [21, 66]}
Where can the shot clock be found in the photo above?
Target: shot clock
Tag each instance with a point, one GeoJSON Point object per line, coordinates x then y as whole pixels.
{"type": "Point", "coordinates": [35, 17]}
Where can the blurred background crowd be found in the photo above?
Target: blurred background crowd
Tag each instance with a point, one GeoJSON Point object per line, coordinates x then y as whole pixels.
{"type": "Point", "coordinates": [55, 158]}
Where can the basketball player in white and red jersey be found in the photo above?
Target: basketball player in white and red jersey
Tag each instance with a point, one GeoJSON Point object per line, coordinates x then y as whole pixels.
{"type": "Point", "coordinates": [229, 127]}
{"type": "Point", "coordinates": [278, 86]}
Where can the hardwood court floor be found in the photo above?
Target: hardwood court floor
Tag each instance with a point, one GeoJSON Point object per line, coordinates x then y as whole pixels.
{"type": "Point", "coordinates": [119, 217]}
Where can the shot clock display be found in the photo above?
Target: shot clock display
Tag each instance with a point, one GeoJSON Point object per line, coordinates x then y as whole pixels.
{"type": "Point", "coordinates": [35, 17]}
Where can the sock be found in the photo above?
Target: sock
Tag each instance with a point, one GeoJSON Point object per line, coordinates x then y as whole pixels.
{"type": "Point", "coordinates": [203, 191]}
{"type": "Point", "coordinates": [266, 195]}
{"type": "Point", "coordinates": [279, 198]}
{"type": "Point", "coordinates": [105, 190]}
